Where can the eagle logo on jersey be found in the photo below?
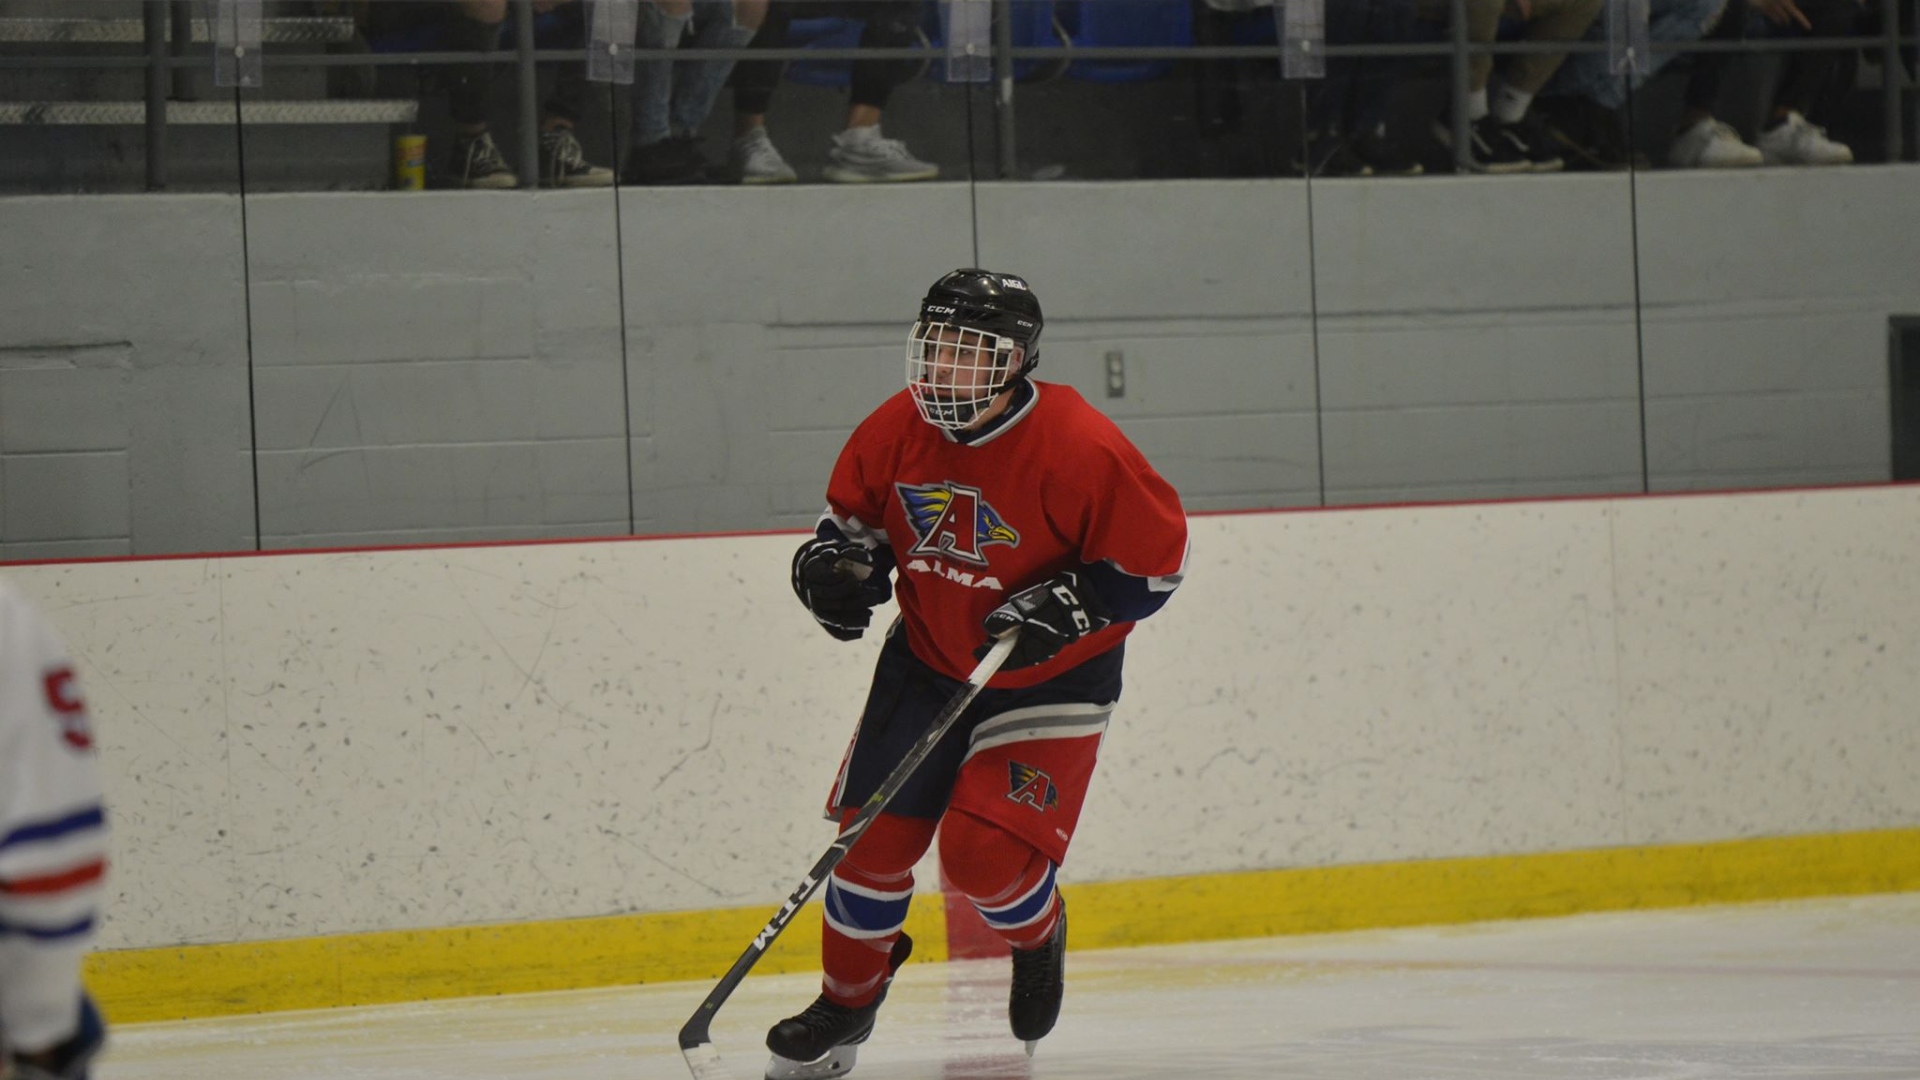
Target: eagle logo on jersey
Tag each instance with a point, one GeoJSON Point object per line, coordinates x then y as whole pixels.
{"type": "Point", "coordinates": [953, 521]}
{"type": "Point", "coordinates": [1031, 787]}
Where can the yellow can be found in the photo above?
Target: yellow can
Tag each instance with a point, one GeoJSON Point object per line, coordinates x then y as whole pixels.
{"type": "Point", "coordinates": [410, 162]}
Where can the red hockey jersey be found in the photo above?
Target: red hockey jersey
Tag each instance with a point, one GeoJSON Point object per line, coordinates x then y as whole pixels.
{"type": "Point", "coordinates": [972, 523]}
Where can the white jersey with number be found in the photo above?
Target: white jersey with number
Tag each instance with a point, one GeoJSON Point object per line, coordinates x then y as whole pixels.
{"type": "Point", "coordinates": [53, 833]}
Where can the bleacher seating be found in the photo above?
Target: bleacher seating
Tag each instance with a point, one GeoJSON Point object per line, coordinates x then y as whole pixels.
{"type": "Point", "coordinates": [130, 34]}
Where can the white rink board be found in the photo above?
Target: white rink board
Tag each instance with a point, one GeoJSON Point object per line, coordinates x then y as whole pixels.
{"type": "Point", "coordinates": [311, 744]}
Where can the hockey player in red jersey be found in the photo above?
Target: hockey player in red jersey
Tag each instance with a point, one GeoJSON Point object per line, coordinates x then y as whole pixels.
{"type": "Point", "coordinates": [984, 501]}
{"type": "Point", "coordinates": [53, 845]}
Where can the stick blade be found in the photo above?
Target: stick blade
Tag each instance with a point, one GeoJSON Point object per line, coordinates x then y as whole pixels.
{"type": "Point", "coordinates": [704, 1060]}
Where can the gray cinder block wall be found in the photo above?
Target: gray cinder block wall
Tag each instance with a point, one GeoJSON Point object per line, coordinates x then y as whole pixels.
{"type": "Point", "coordinates": [383, 368]}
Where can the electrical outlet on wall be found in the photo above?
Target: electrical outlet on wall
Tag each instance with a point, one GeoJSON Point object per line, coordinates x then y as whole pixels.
{"type": "Point", "coordinates": [1116, 373]}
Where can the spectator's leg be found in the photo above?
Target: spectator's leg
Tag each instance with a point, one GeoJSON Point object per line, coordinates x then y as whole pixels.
{"type": "Point", "coordinates": [562, 161]}
{"type": "Point", "coordinates": [1709, 72]}
{"type": "Point", "coordinates": [1216, 89]}
{"type": "Point", "coordinates": [1528, 73]}
{"type": "Point", "coordinates": [1483, 27]}
{"type": "Point", "coordinates": [567, 97]}
{"type": "Point", "coordinates": [1329, 101]}
{"type": "Point", "coordinates": [718, 24]}
{"type": "Point", "coordinates": [1488, 149]}
{"type": "Point", "coordinates": [1809, 84]}
{"type": "Point", "coordinates": [1370, 101]}
{"type": "Point", "coordinates": [473, 27]}
{"type": "Point", "coordinates": [1701, 140]}
{"type": "Point", "coordinates": [657, 156]}
{"type": "Point", "coordinates": [890, 24]}
{"type": "Point", "coordinates": [1814, 82]}
{"type": "Point", "coordinates": [662, 24]}
{"type": "Point", "coordinates": [752, 158]}
{"type": "Point", "coordinates": [859, 153]}
{"type": "Point", "coordinates": [754, 81]}
{"type": "Point", "coordinates": [1553, 20]}
{"type": "Point", "coordinates": [1590, 75]}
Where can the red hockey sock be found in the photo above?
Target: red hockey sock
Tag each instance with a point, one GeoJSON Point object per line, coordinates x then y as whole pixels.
{"type": "Point", "coordinates": [866, 905]}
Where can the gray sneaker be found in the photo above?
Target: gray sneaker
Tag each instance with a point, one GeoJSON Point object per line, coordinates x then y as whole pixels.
{"type": "Point", "coordinates": [861, 156]}
{"type": "Point", "coordinates": [757, 161]}
{"type": "Point", "coordinates": [562, 164]}
{"type": "Point", "coordinates": [478, 163]}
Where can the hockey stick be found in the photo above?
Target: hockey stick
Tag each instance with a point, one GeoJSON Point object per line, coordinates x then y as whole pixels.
{"type": "Point", "coordinates": [695, 1042]}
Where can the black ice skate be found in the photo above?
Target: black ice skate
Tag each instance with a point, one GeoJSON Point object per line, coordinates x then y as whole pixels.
{"type": "Point", "coordinates": [1039, 981]}
{"type": "Point", "coordinates": [822, 1041]}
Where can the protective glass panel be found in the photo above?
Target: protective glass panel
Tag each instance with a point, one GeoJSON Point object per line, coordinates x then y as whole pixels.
{"type": "Point", "coordinates": [123, 336]}
{"type": "Point", "coordinates": [764, 324]}
{"type": "Point", "coordinates": [438, 351]}
{"type": "Point", "coordinates": [1776, 248]}
{"type": "Point", "coordinates": [1475, 324]}
{"type": "Point", "coordinates": [1178, 302]}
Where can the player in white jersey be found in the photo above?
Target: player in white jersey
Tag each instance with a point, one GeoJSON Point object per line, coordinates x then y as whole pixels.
{"type": "Point", "coordinates": [53, 847]}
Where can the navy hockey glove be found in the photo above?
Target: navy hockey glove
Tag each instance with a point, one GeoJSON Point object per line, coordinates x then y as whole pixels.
{"type": "Point", "coordinates": [829, 576]}
{"type": "Point", "coordinates": [70, 1059]}
{"type": "Point", "coordinates": [1050, 616]}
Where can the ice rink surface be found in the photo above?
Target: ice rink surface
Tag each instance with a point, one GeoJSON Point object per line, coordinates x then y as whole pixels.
{"type": "Point", "coordinates": [1826, 989]}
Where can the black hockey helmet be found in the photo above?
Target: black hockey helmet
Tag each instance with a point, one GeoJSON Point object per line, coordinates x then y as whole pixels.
{"type": "Point", "coordinates": [978, 334]}
{"type": "Point", "coordinates": [997, 303]}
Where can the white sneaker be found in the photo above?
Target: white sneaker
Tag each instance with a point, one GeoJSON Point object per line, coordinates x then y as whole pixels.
{"type": "Point", "coordinates": [758, 161]}
{"type": "Point", "coordinates": [1794, 141]}
{"type": "Point", "coordinates": [1710, 144]}
{"type": "Point", "coordinates": [861, 156]}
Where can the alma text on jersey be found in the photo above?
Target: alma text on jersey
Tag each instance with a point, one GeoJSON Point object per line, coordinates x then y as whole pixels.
{"type": "Point", "coordinates": [955, 574]}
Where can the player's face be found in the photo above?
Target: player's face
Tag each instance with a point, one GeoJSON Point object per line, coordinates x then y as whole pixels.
{"type": "Point", "coordinates": [961, 363]}
{"type": "Point", "coordinates": [955, 373]}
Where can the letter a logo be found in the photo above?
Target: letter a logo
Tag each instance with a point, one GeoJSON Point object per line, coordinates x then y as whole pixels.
{"type": "Point", "coordinates": [953, 521]}
{"type": "Point", "coordinates": [1031, 787]}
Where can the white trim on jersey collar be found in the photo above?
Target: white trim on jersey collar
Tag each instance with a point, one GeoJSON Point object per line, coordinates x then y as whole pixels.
{"type": "Point", "coordinates": [1002, 423]}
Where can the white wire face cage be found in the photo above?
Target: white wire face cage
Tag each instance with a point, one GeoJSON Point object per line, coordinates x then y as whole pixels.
{"type": "Point", "coordinates": [955, 371]}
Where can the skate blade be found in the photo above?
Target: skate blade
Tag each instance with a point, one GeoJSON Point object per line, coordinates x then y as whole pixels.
{"type": "Point", "coordinates": [835, 1062]}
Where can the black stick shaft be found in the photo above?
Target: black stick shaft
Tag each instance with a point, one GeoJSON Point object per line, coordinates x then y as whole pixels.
{"type": "Point", "coordinates": [694, 1034]}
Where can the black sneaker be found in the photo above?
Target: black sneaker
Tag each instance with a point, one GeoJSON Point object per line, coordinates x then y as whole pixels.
{"type": "Point", "coordinates": [1530, 137]}
{"type": "Point", "coordinates": [823, 1039]}
{"type": "Point", "coordinates": [1588, 135]}
{"type": "Point", "coordinates": [677, 160]}
{"type": "Point", "coordinates": [1382, 155]}
{"type": "Point", "coordinates": [562, 164]}
{"type": "Point", "coordinates": [478, 163]}
{"type": "Point", "coordinates": [1039, 982]}
{"type": "Point", "coordinates": [1490, 146]}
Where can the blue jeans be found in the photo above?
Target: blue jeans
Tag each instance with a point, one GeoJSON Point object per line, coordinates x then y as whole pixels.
{"type": "Point", "coordinates": [1587, 75]}
{"type": "Point", "coordinates": [675, 97]}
